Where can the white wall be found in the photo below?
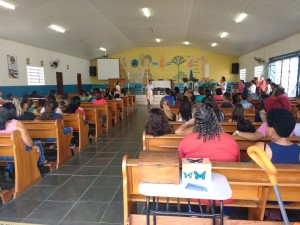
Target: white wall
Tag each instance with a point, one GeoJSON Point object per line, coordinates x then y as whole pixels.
{"type": "Point", "coordinates": [290, 44]}
{"type": "Point", "coordinates": [22, 51]}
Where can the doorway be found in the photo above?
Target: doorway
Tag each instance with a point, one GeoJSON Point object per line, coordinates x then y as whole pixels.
{"type": "Point", "coordinates": [79, 84]}
{"type": "Point", "coordinates": [59, 83]}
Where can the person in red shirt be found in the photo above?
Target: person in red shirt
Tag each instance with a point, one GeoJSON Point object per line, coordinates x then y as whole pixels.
{"type": "Point", "coordinates": [262, 84]}
{"type": "Point", "coordinates": [99, 99]}
{"type": "Point", "coordinates": [241, 86]}
{"type": "Point", "coordinates": [208, 139]}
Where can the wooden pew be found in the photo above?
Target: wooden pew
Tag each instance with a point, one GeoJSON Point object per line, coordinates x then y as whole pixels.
{"type": "Point", "coordinates": [93, 116]}
{"type": "Point", "coordinates": [250, 186]}
{"type": "Point", "coordinates": [113, 107]}
{"type": "Point", "coordinates": [228, 127]}
{"type": "Point", "coordinates": [135, 219]}
{"type": "Point", "coordinates": [171, 141]}
{"type": "Point", "coordinates": [104, 110]}
{"type": "Point", "coordinates": [131, 103]}
{"type": "Point", "coordinates": [39, 129]}
{"type": "Point", "coordinates": [26, 168]}
{"type": "Point", "coordinates": [121, 108]}
{"type": "Point", "coordinates": [76, 122]}
{"type": "Point", "coordinates": [126, 104]}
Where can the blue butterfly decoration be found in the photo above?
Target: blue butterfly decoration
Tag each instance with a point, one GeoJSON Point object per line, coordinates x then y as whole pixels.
{"type": "Point", "coordinates": [186, 175]}
{"type": "Point", "coordinates": [200, 176]}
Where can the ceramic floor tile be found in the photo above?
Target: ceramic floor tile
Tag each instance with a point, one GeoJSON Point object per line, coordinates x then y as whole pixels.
{"type": "Point", "coordinates": [113, 214]}
{"type": "Point", "coordinates": [67, 193]}
{"type": "Point", "coordinates": [67, 170]}
{"type": "Point", "coordinates": [41, 221]}
{"type": "Point", "coordinates": [54, 180]}
{"type": "Point", "coordinates": [51, 210]}
{"type": "Point", "coordinates": [98, 162]}
{"type": "Point", "coordinates": [112, 171]}
{"type": "Point", "coordinates": [90, 170]}
{"type": "Point", "coordinates": [99, 194]}
{"type": "Point", "coordinates": [115, 162]}
{"type": "Point", "coordinates": [107, 181]}
{"type": "Point", "coordinates": [38, 193]}
{"type": "Point", "coordinates": [80, 181]}
{"type": "Point", "coordinates": [86, 211]}
{"type": "Point", "coordinates": [103, 155]}
{"type": "Point", "coordinates": [19, 208]}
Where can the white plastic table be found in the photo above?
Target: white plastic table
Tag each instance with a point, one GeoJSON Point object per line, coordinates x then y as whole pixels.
{"type": "Point", "coordinates": [217, 189]}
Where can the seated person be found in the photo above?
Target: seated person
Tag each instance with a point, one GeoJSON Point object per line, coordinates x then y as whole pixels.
{"type": "Point", "coordinates": [21, 114]}
{"type": "Point", "coordinates": [31, 106]}
{"type": "Point", "coordinates": [245, 103]}
{"type": "Point", "coordinates": [280, 124]}
{"type": "Point", "coordinates": [185, 110]}
{"type": "Point", "coordinates": [199, 97]}
{"type": "Point", "coordinates": [170, 98]}
{"type": "Point", "coordinates": [213, 104]}
{"type": "Point", "coordinates": [157, 123]}
{"type": "Point", "coordinates": [219, 95]}
{"type": "Point", "coordinates": [281, 101]}
{"type": "Point", "coordinates": [237, 113]}
{"type": "Point", "coordinates": [165, 107]}
{"type": "Point", "coordinates": [208, 139]}
{"type": "Point", "coordinates": [9, 124]}
{"type": "Point", "coordinates": [227, 103]}
{"type": "Point", "coordinates": [99, 98]}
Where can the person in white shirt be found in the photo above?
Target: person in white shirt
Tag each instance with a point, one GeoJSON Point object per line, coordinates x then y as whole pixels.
{"type": "Point", "coordinates": [149, 93]}
{"type": "Point", "coordinates": [252, 90]}
{"type": "Point", "coordinates": [269, 88]}
{"type": "Point", "coordinates": [118, 88]}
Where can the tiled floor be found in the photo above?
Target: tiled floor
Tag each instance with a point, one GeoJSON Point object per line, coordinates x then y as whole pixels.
{"type": "Point", "coordinates": [88, 188]}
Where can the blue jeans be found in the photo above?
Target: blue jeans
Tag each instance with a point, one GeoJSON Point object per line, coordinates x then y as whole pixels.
{"type": "Point", "coordinates": [10, 165]}
{"type": "Point", "coordinates": [66, 130]}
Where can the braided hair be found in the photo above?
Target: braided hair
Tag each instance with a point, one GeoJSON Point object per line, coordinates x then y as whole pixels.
{"type": "Point", "coordinates": [206, 124]}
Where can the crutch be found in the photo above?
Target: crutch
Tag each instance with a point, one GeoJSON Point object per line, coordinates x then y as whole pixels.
{"type": "Point", "coordinates": [261, 159]}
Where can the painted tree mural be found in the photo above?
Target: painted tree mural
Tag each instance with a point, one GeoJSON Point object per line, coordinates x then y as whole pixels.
{"type": "Point", "coordinates": [178, 60]}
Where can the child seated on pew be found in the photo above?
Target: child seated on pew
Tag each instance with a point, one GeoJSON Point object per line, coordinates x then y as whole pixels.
{"type": "Point", "coordinates": [9, 124]}
{"type": "Point", "coordinates": [50, 114]}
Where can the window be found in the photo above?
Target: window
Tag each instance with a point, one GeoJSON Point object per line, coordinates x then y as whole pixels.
{"type": "Point", "coordinates": [35, 75]}
{"type": "Point", "coordinates": [285, 72]}
{"type": "Point", "coordinates": [243, 74]}
{"type": "Point", "coordinates": [258, 71]}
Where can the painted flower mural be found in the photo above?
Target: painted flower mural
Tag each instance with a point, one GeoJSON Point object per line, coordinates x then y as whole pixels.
{"type": "Point", "coordinates": [178, 60]}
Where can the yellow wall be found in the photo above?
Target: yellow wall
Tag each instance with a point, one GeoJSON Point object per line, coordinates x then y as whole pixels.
{"type": "Point", "coordinates": [161, 66]}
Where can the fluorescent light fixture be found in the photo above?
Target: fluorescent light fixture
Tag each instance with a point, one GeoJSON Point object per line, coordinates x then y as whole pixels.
{"type": "Point", "coordinates": [7, 5]}
{"type": "Point", "coordinates": [157, 40]}
{"type": "Point", "coordinates": [102, 49]}
{"type": "Point", "coordinates": [57, 28]}
{"type": "Point", "coordinates": [223, 34]}
{"type": "Point", "coordinates": [241, 17]}
{"type": "Point", "coordinates": [214, 44]}
{"type": "Point", "coordinates": [186, 43]}
{"type": "Point", "coordinates": [146, 12]}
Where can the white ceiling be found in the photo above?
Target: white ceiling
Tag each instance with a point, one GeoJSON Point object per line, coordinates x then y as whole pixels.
{"type": "Point", "coordinates": [119, 25]}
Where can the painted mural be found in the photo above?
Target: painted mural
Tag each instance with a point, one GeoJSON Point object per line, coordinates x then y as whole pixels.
{"type": "Point", "coordinates": [139, 70]}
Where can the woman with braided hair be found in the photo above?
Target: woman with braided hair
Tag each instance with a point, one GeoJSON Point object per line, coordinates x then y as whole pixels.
{"type": "Point", "coordinates": [207, 139]}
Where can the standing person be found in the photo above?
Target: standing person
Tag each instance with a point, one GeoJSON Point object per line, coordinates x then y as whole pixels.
{"type": "Point", "coordinates": [223, 84]}
{"type": "Point", "coordinates": [268, 88]}
{"type": "Point", "coordinates": [118, 88]}
{"type": "Point", "coordinates": [149, 93]}
{"type": "Point", "coordinates": [241, 86]}
{"type": "Point", "coordinates": [263, 84]}
{"type": "Point", "coordinates": [256, 82]}
{"type": "Point", "coordinates": [252, 90]}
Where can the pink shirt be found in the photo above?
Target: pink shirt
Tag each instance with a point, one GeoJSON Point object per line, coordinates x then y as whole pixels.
{"type": "Point", "coordinates": [101, 101]}
{"type": "Point", "coordinates": [241, 87]}
{"type": "Point", "coordinates": [263, 130]}
{"type": "Point", "coordinates": [10, 127]}
{"type": "Point", "coordinates": [218, 97]}
{"type": "Point", "coordinates": [82, 112]}
{"type": "Point", "coordinates": [225, 150]}
{"type": "Point", "coordinates": [263, 85]}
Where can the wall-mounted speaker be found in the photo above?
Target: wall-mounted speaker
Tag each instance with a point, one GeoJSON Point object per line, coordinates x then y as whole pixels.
{"type": "Point", "coordinates": [235, 68]}
{"type": "Point", "coordinates": [93, 71]}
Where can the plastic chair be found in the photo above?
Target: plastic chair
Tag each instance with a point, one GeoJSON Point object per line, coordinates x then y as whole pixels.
{"type": "Point", "coordinates": [261, 159]}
